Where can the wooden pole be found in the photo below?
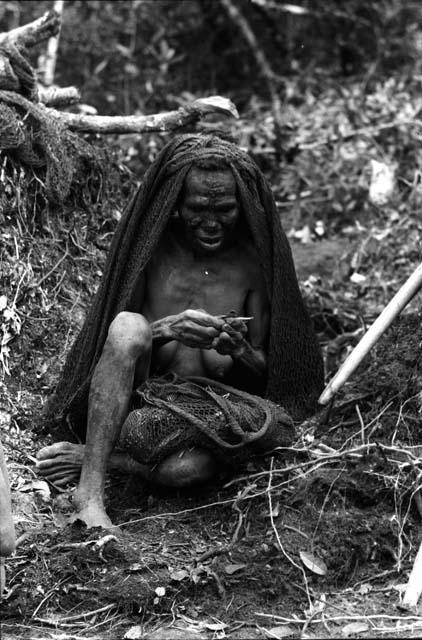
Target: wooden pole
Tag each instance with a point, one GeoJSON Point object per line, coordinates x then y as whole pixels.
{"type": "Point", "coordinates": [375, 331]}
{"type": "Point", "coordinates": [414, 585]}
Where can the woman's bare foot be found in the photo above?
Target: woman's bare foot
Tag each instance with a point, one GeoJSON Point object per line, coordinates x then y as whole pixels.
{"type": "Point", "coordinates": [92, 513]}
{"type": "Point", "coordinates": [61, 463]}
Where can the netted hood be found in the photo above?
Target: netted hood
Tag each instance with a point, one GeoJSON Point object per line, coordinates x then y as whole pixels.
{"type": "Point", "coordinates": [295, 371]}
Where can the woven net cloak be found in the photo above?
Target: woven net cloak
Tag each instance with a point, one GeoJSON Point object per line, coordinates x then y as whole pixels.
{"type": "Point", "coordinates": [295, 371]}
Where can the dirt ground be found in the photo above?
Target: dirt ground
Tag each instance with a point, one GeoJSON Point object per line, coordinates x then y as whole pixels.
{"type": "Point", "coordinates": [314, 542]}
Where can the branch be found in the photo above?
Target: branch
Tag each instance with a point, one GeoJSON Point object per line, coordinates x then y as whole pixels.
{"type": "Point", "coordinates": [127, 124]}
{"type": "Point", "coordinates": [142, 124]}
{"type": "Point", "coordinates": [242, 24]}
{"type": "Point", "coordinates": [34, 32]}
{"type": "Point", "coordinates": [58, 96]}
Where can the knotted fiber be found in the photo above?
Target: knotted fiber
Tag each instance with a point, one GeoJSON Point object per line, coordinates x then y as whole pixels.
{"type": "Point", "coordinates": [174, 413]}
{"type": "Point", "coordinates": [294, 373]}
{"type": "Point", "coordinates": [33, 136]}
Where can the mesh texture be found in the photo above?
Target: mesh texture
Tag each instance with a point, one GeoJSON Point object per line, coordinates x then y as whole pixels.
{"type": "Point", "coordinates": [173, 413]}
{"type": "Point", "coordinates": [295, 373]}
{"type": "Point", "coordinates": [32, 135]}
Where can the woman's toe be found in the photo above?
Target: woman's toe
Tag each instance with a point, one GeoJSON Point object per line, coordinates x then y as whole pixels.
{"type": "Point", "coordinates": [53, 450]}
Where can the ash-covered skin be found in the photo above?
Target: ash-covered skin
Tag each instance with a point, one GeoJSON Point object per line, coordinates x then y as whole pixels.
{"type": "Point", "coordinates": [204, 267]}
{"type": "Point", "coordinates": [209, 211]}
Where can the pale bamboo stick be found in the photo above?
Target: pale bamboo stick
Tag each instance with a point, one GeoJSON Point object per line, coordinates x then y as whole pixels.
{"type": "Point", "coordinates": [414, 585]}
{"type": "Point", "coordinates": [375, 331]}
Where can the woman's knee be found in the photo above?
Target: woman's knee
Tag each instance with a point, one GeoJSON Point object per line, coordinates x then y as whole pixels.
{"type": "Point", "coordinates": [185, 469]}
{"type": "Point", "coordinates": [130, 334]}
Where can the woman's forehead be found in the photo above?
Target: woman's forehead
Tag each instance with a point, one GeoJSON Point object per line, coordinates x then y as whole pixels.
{"type": "Point", "coordinates": [217, 181]}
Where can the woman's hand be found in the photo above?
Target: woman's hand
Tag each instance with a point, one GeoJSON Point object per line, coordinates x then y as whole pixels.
{"type": "Point", "coordinates": [231, 340]}
{"type": "Point", "coordinates": [193, 328]}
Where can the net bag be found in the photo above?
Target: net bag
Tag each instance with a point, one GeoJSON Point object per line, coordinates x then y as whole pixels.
{"type": "Point", "coordinates": [172, 413]}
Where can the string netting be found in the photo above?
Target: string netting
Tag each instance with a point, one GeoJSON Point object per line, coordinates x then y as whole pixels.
{"type": "Point", "coordinates": [34, 141]}
{"type": "Point", "coordinates": [173, 414]}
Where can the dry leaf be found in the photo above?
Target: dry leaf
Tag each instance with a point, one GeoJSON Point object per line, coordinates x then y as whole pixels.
{"type": "Point", "coordinates": [357, 278]}
{"type": "Point", "coordinates": [276, 510]}
{"type": "Point", "coordinates": [314, 564]}
{"type": "Point", "coordinates": [232, 568]}
{"type": "Point", "coordinates": [179, 575]}
{"type": "Point", "coordinates": [217, 103]}
{"type": "Point", "coordinates": [364, 589]}
{"type": "Point", "coordinates": [134, 633]}
{"type": "Point", "coordinates": [42, 490]}
{"type": "Point", "coordinates": [319, 228]}
{"type": "Point", "coordinates": [353, 628]}
{"type": "Point", "coordinates": [217, 626]}
{"type": "Point", "coordinates": [304, 234]}
{"type": "Point", "coordinates": [283, 631]}
{"type": "Point", "coordinates": [382, 183]}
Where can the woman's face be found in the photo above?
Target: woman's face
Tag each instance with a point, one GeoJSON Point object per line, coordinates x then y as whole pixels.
{"type": "Point", "coordinates": [209, 209]}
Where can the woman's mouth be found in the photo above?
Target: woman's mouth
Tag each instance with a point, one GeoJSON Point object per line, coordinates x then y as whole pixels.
{"type": "Point", "coordinates": [211, 242]}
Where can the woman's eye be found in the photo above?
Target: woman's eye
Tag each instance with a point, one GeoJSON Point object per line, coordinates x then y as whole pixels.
{"type": "Point", "coordinates": [229, 215]}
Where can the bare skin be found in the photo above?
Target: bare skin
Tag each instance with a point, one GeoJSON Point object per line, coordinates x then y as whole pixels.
{"type": "Point", "coordinates": [204, 267]}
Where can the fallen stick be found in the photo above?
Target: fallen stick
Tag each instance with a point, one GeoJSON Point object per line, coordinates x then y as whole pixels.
{"type": "Point", "coordinates": [58, 96]}
{"type": "Point", "coordinates": [167, 121]}
{"type": "Point", "coordinates": [375, 331]}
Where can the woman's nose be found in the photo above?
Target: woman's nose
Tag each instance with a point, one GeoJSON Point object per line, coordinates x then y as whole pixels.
{"type": "Point", "coordinates": [211, 224]}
